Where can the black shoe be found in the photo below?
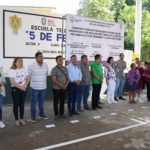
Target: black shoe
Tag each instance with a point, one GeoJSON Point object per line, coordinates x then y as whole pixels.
{"type": "Point", "coordinates": [87, 108]}
{"type": "Point", "coordinates": [100, 107]}
{"type": "Point", "coordinates": [100, 103]}
{"type": "Point", "coordinates": [56, 117]}
{"type": "Point", "coordinates": [75, 113]}
{"type": "Point", "coordinates": [33, 119]}
{"type": "Point", "coordinates": [43, 117]}
{"type": "Point", "coordinates": [115, 98]}
{"type": "Point", "coordinates": [62, 116]}
{"type": "Point", "coordinates": [70, 114]}
{"type": "Point", "coordinates": [80, 110]}
{"type": "Point", "coordinates": [94, 108]}
{"type": "Point", "coordinates": [121, 98]}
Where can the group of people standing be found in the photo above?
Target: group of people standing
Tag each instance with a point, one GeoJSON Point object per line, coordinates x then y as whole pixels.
{"type": "Point", "coordinates": [138, 77]}
{"type": "Point", "coordinates": [71, 82]}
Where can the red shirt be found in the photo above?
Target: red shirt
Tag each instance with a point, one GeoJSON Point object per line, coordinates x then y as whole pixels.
{"type": "Point", "coordinates": [147, 72]}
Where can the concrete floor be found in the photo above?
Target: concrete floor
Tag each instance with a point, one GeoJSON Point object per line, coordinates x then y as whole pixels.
{"type": "Point", "coordinates": [132, 120]}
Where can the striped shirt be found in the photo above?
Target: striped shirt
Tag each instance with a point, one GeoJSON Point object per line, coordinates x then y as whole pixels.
{"type": "Point", "coordinates": [38, 76]}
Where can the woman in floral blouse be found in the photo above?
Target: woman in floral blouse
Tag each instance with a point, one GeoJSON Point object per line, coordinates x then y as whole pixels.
{"type": "Point", "coordinates": [110, 75]}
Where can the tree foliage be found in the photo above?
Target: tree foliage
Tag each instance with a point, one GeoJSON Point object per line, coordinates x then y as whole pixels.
{"type": "Point", "coordinates": [101, 9]}
{"type": "Point", "coordinates": [121, 11]}
{"type": "Point", "coordinates": [127, 17]}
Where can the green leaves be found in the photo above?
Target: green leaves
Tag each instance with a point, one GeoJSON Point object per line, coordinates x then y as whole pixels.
{"type": "Point", "coordinates": [121, 11]}
{"type": "Point", "coordinates": [100, 9]}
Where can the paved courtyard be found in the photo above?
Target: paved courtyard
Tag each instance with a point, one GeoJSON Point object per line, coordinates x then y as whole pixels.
{"type": "Point", "coordinates": [119, 126]}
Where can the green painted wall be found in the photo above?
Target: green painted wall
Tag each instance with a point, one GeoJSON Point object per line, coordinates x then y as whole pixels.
{"type": "Point", "coordinates": [49, 95]}
{"type": "Point", "coordinates": [8, 99]}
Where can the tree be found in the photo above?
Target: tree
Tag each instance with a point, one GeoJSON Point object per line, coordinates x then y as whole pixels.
{"type": "Point", "coordinates": [101, 9]}
{"type": "Point", "coordinates": [118, 6]}
{"type": "Point", "coordinates": [127, 17]}
{"type": "Point", "coordinates": [130, 2]}
{"type": "Point", "coordinates": [146, 5]}
{"type": "Point", "coordinates": [121, 11]}
{"type": "Point", "coordinates": [145, 35]}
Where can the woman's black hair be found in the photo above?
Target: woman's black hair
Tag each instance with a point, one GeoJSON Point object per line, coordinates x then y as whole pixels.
{"type": "Point", "coordinates": [132, 65]}
{"type": "Point", "coordinates": [109, 59]}
{"type": "Point", "coordinates": [146, 63]}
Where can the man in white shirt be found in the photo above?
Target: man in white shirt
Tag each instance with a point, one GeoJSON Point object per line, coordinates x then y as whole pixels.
{"type": "Point", "coordinates": [75, 77]}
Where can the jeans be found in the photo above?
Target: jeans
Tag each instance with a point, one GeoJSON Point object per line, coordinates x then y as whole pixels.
{"type": "Point", "coordinates": [1, 102]}
{"type": "Point", "coordinates": [111, 90]}
{"type": "Point", "coordinates": [72, 96]}
{"type": "Point", "coordinates": [18, 97]}
{"type": "Point", "coordinates": [59, 100]}
{"type": "Point", "coordinates": [95, 94]}
{"type": "Point", "coordinates": [37, 95]}
{"type": "Point", "coordinates": [83, 94]}
{"type": "Point", "coordinates": [119, 87]}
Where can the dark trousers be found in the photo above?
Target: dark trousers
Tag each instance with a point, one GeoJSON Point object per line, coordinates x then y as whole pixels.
{"type": "Point", "coordinates": [144, 82]}
{"type": "Point", "coordinates": [95, 94]}
{"type": "Point", "coordinates": [72, 96]}
{"type": "Point", "coordinates": [18, 97]}
{"type": "Point", "coordinates": [148, 90]}
{"type": "Point", "coordinates": [59, 101]}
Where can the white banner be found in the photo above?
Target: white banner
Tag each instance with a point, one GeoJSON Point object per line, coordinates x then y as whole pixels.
{"type": "Point", "coordinates": [90, 36]}
{"type": "Point", "coordinates": [24, 34]}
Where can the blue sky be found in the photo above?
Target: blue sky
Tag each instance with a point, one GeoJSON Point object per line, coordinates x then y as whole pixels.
{"type": "Point", "coordinates": [62, 6]}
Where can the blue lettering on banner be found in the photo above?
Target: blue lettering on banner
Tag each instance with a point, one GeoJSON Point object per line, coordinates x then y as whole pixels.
{"type": "Point", "coordinates": [31, 34]}
{"type": "Point", "coordinates": [46, 36]}
{"type": "Point", "coordinates": [61, 37]}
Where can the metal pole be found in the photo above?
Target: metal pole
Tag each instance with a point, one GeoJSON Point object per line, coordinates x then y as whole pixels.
{"type": "Point", "coordinates": [138, 23]}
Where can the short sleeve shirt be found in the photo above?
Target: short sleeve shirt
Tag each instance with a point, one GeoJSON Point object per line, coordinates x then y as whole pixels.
{"type": "Point", "coordinates": [97, 68]}
{"type": "Point", "coordinates": [61, 75]}
{"type": "Point", "coordinates": [147, 72]}
{"type": "Point", "coordinates": [19, 75]}
{"type": "Point", "coordinates": [38, 76]}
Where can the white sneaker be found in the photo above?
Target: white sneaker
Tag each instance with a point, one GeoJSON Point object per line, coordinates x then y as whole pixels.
{"type": "Point", "coordinates": [136, 99]}
{"type": "Point", "coordinates": [17, 123]}
{"type": "Point", "coordinates": [141, 101]}
{"type": "Point", "coordinates": [2, 125]}
{"type": "Point", "coordinates": [22, 122]}
{"type": "Point", "coordinates": [109, 102]}
{"type": "Point", "coordinates": [114, 102]}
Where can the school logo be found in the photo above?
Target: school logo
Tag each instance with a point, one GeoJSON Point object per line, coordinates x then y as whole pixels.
{"type": "Point", "coordinates": [51, 22]}
{"type": "Point", "coordinates": [43, 21]}
{"type": "Point", "coordinates": [15, 23]}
